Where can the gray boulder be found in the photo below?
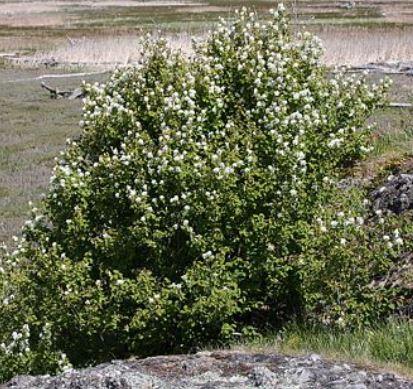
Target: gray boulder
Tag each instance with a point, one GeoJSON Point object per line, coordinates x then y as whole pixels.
{"type": "Point", "coordinates": [217, 370]}
{"type": "Point", "coordinates": [396, 195]}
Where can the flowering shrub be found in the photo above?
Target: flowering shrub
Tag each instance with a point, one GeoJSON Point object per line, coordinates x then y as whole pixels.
{"type": "Point", "coordinates": [347, 261]}
{"type": "Point", "coordinates": [178, 216]}
{"type": "Point", "coordinates": [16, 353]}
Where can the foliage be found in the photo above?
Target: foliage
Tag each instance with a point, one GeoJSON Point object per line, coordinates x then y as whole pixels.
{"type": "Point", "coordinates": [347, 260]}
{"type": "Point", "coordinates": [184, 212]}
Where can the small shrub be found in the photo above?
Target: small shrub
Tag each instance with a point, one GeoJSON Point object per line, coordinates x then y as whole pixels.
{"type": "Point", "coordinates": [178, 216]}
{"type": "Point", "coordinates": [347, 260]}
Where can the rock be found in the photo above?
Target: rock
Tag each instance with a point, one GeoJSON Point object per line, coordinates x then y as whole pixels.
{"type": "Point", "coordinates": [357, 376]}
{"type": "Point", "coordinates": [216, 370]}
{"type": "Point", "coordinates": [396, 195]}
{"type": "Point", "coordinates": [263, 377]}
{"type": "Point", "coordinates": [356, 386]}
{"type": "Point", "coordinates": [304, 376]}
{"type": "Point", "coordinates": [351, 182]}
{"type": "Point", "coordinates": [315, 357]}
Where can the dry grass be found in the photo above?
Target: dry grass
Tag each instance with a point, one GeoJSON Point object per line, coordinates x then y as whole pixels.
{"type": "Point", "coordinates": [351, 46]}
{"type": "Point", "coordinates": [28, 44]}
{"type": "Point", "coordinates": [357, 46]}
{"type": "Point", "coordinates": [104, 52]}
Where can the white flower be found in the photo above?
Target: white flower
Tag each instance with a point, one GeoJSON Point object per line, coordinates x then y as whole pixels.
{"type": "Point", "coordinates": [399, 241]}
{"type": "Point", "coordinates": [207, 254]}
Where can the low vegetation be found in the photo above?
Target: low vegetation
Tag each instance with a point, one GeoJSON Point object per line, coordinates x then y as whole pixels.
{"type": "Point", "coordinates": [385, 345]}
{"type": "Point", "coordinates": [200, 204]}
{"type": "Point", "coordinates": [33, 129]}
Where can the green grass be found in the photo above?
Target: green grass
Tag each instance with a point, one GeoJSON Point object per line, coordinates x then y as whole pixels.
{"type": "Point", "coordinates": [33, 129]}
{"type": "Point", "coordinates": [399, 142]}
{"type": "Point", "coordinates": [394, 134]}
{"type": "Point", "coordinates": [388, 345]}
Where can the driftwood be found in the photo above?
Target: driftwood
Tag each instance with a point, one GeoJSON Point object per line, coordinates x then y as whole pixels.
{"type": "Point", "coordinates": [405, 68]}
{"type": "Point", "coordinates": [51, 62]}
{"type": "Point", "coordinates": [396, 105]}
{"type": "Point", "coordinates": [348, 5]}
{"type": "Point", "coordinates": [400, 105]}
{"type": "Point", "coordinates": [55, 93]}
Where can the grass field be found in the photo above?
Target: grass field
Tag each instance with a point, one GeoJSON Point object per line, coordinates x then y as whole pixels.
{"type": "Point", "coordinates": [33, 129]}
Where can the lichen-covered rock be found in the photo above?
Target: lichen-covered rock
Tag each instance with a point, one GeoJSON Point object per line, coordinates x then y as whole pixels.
{"type": "Point", "coordinates": [217, 370]}
{"type": "Point", "coordinates": [396, 195]}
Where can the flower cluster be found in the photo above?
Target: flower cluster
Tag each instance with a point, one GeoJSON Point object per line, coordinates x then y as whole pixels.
{"type": "Point", "coordinates": [19, 343]}
{"type": "Point", "coordinates": [17, 356]}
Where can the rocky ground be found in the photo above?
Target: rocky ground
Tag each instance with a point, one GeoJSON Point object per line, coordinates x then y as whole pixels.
{"type": "Point", "coordinates": [217, 370]}
{"type": "Point", "coordinates": [396, 195]}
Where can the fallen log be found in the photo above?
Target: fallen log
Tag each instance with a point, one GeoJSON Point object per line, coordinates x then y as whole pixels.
{"type": "Point", "coordinates": [55, 93]}
{"type": "Point", "coordinates": [400, 105]}
{"type": "Point", "coordinates": [396, 105]}
{"type": "Point", "coordinates": [405, 68]}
